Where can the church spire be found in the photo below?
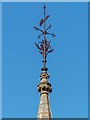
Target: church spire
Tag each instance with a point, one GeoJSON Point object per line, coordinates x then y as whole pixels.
{"type": "Point", "coordinates": [44, 87]}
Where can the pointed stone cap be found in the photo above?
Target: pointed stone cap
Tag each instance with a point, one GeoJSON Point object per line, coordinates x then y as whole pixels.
{"type": "Point", "coordinates": [44, 110]}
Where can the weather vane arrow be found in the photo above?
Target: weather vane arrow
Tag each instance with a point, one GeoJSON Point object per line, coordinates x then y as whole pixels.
{"type": "Point", "coordinates": [44, 45]}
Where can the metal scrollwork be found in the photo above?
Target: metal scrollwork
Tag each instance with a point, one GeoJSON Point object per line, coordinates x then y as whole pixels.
{"type": "Point", "coordinates": [44, 45]}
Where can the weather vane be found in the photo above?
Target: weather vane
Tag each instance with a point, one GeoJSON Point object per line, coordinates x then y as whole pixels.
{"type": "Point", "coordinates": [44, 45]}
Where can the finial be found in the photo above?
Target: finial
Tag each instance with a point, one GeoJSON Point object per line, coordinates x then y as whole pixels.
{"type": "Point", "coordinates": [44, 45]}
{"type": "Point", "coordinates": [44, 5]}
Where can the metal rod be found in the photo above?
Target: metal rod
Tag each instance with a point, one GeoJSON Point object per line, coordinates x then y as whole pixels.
{"type": "Point", "coordinates": [44, 46]}
{"type": "Point", "coordinates": [44, 36]}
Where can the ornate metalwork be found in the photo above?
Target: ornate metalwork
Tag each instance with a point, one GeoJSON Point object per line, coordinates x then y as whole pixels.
{"type": "Point", "coordinates": [44, 45]}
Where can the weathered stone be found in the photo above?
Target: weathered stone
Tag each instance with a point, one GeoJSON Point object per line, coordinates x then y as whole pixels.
{"type": "Point", "coordinates": [44, 88]}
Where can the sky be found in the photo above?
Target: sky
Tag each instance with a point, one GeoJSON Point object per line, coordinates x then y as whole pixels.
{"type": "Point", "coordinates": [67, 65]}
{"type": "Point", "coordinates": [45, 0]}
{"type": "Point", "coordinates": [0, 60]}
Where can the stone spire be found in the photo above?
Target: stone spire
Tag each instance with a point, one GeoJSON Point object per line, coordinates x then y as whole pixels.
{"type": "Point", "coordinates": [44, 87]}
